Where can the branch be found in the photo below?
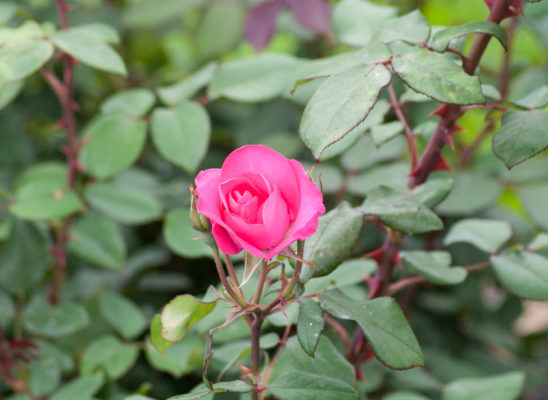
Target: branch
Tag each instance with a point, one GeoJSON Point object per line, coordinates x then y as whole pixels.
{"type": "Point", "coordinates": [453, 112]}
{"type": "Point", "coordinates": [408, 132]}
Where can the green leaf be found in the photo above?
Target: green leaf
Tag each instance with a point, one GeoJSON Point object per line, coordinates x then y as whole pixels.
{"type": "Point", "coordinates": [202, 392]}
{"type": "Point", "coordinates": [524, 274]}
{"type": "Point", "coordinates": [355, 22]}
{"type": "Point", "coordinates": [433, 266]}
{"type": "Point", "coordinates": [134, 102]}
{"type": "Point", "coordinates": [151, 14]}
{"type": "Point", "coordinates": [110, 355]}
{"type": "Point", "coordinates": [399, 211]}
{"type": "Point", "coordinates": [122, 314]}
{"type": "Point", "coordinates": [487, 235]}
{"type": "Point", "coordinates": [187, 87]}
{"type": "Point", "coordinates": [10, 92]}
{"type": "Point", "coordinates": [437, 77]}
{"type": "Point", "coordinates": [220, 28]}
{"type": "Point", "coordinates": [435, 189]}
{"type": "Point", "coordinates": [179, 359]}
{"type": "Point", "coordinates": [442, 38]}
{"type": "Point", "coordinates": [253, 79]}
{"type": "Point", "coordinates": [533, 197]}
{"type": "Point", "coordinates": [411, 28]}
{"type": "Point", "coordinates": [384, 325]}
{"type": "Point", "coordinates": [43, 201]}
{"type": "Point", "coordinates": [501, 387]}
{"type": "Point", "coordinates": [385, 132]}
{"type": "Point", "coordinates": [89, 50]}
{"type": "Point", "coordinates": [181, 237]}
{"type": "Point", "coordinates": [404, 396]}
{"type": "Point", "coordinates": [181, 134]}
{"type": "Point", "coordinates": [301, 385]}
{"type": "Point", "coordinates": [128, 205]}
{"type": "Point", "coordinates": [536, 99]}
{"type": "Point", "coordinates": [19, 60]}
{"type": "Point", "coordinates": [112, 143]}
{"type": "Point", "coordinates": [7, 309]}
{"type": "Point", "coordinates": [156, 338]}
{"type": "Point", "coordinates": [53, 321]}
{"type": "Point", "coordinates": [24, 258]}
{"type": "Point", "coordinates": [99, 31]}
{"type": "Point", "coordinates": [337, 234]}
{"type": "Point", "coordinates": [347, 274]}
{"type": "Point", "coordinates": [522, 135]}
{"type": "Point", "coordinates": [391, 175]}
{"type": "Point", "coordinates": [473, 192]}
{"type": "Point", "coordinates": [44, 376]}
{"type": "Point", "coordinates": [80, 388]}
{"type": "Point", "coordinates": [309, 325]}
{"type": "Point", "coordinates": [7, 12]}
{"type": "Point", "coordinates": [181, 313]}
{"type": "Point", "coordinates": [340, 104]}
{"type": "Point", "coordinates": [98, 240]}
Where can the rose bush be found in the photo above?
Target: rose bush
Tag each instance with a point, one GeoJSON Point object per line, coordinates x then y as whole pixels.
{"type": "Point", "coordinates": [259, 201]}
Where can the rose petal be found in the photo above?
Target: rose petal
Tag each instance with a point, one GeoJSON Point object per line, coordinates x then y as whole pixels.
{"type": "Point", "coordinates": [207, 190]}
{"type": "Point", "coordinates": [311, 208]}
{"type": "Point", "coordinates": [223, 240]}
{"type": "Point", "coordinates": [260, 160]}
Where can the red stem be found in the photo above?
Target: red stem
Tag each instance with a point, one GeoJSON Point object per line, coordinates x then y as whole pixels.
{"type": "Point", "coordinates": [408, 132]}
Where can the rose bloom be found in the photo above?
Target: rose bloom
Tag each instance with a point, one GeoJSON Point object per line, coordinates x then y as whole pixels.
{"type": "Point", "coordinates": [258, 201]}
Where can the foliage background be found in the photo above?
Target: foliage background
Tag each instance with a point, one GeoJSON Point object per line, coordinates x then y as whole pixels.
{"type": "Point", "coordinates": [148, 256]}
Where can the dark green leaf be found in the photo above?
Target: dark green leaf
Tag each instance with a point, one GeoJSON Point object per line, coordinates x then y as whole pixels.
{"type": "Point", "coordinates": [128, 205]}
{"type": "Point", "coordinates": [385, 132]}
{"type": "Point", "coordinates": [487, 235]}
{"type": "Point", "coordinates": [337, 234]}
{"type": "Point", "coordinates": [473, 192]}
{"type": "Point", "coordinates": [253, 79]}
{"type": "Point", "coordinates": [181, 134]}
{"type": "Point", "coordinates": [438, 77]}
{"type": "Point", "coordinates": [187, 87]}
{"type": "Point", "coordinates": [7, 309]}
{"type": "Point", "coordinates": [203, 392]}
{"type": "Point", "coordinates": [156, 338]}
{"type": "Point", "coordinates": [384, 325]}
{"type": "Point", "coordinates": [89, 50]}
{"type": "Point", "coordinates": [433, 266]}
{"type": "Point", "coordinates": [24, 258]}
{"type": "Point", "coordinates": [181, 238]}
{"type": "Point", "coordinates": [393, 175]}
{"type": "Point", "coordinates": [534, 200]}
{"type": "Point", "coordinates": [122, 314]}
{"type": "Point", "coordinates": [220, 28]}
{"type": "Point", "coordinates": [442, 38]}
{"type": "Point", "coordinates": [522, 135]}
{"type": "Point", "coordinates": [524, 274]}
{"type": "Point", "coordinates": [309, 325]}
{"type": "Point", "coordinates": [38, 200]}
{"type": "Point", "coordinates": [536, 99]}
{"type": "Point", "coordinates": [20, 60]}
{"type": "Point", "coordinates": [80, 388]}
{"type": "Point", "coordinates": [180, 314]}
{"type": "Point", "coordinates": [340, 104]}
{"type": "Point", "coordinates": [347, 274]}
{"type": "Point", "coordinates": [301, 385]}
{"type": "Point", "coordinates": [54, 321]}
{"type": "Point", "coordinates": [405, 396]}
{"type": "Point", "coordinates": [501, 387]}
{"type": "Point", "coordinates": [179, 359]}
{"type": "Point", "coordinates": [411, 28]}
{"type": "Point", "coordinates": [400, 212]}
{"type": "Point", "coordinates": [435, 189]}
{"type": "Point", "coordinates": [97, 239]}
{"type": "Point", "coordinates": [113, 142]}
{"type": "Point", "coordinates": [99, 31]}
{"type": "Point", "coordinates": [134, 102]}
{"type": "Point", "coordinates": [44, 376]}
{"type": "Point", "coordinates": [110, 355]}
{"type": "Point", "coordinates": [10, 92]}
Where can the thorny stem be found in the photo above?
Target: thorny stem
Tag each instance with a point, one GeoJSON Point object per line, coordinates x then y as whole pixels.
{"type": "Point", "coordinates": [296, 273]}
{"type": "Point", "coordinates": [260, 285]}
{"type": "Point", "coordinates": [64, 92]}
{"type": "Point", "coordinates": [256, 355]}
{"type": "Point", "coordinates": [233, 276]}
{"type": "Point", "coordinates": [446, 123]}
{"type": "Point", "coordinates": [408, 132]}
{"type": "Point", "coordinates": [222, 276]}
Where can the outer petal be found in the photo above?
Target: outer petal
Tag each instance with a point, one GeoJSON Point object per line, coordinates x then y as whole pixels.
{"type": "Point", "coordinates": [276, 169]}
{"type": "Point", "coordinates": [224, 241]}
{"type": "Point", "coordinates": [207, 189]}
{"type": "Point", "coordinates": [311, 207]}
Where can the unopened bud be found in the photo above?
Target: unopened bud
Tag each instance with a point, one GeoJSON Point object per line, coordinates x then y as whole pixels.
{"type": "Point", "coordinates": [197, 220]}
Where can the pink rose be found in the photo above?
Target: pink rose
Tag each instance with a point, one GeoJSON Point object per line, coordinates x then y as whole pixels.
{"type": "Point", "coordinates": [258, 201]}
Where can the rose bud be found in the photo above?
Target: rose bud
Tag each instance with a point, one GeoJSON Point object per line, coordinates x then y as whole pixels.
{"type": "Point", "coordinates": [197, 220]}
{"type": "Point", "coordinates": [258, 201]}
